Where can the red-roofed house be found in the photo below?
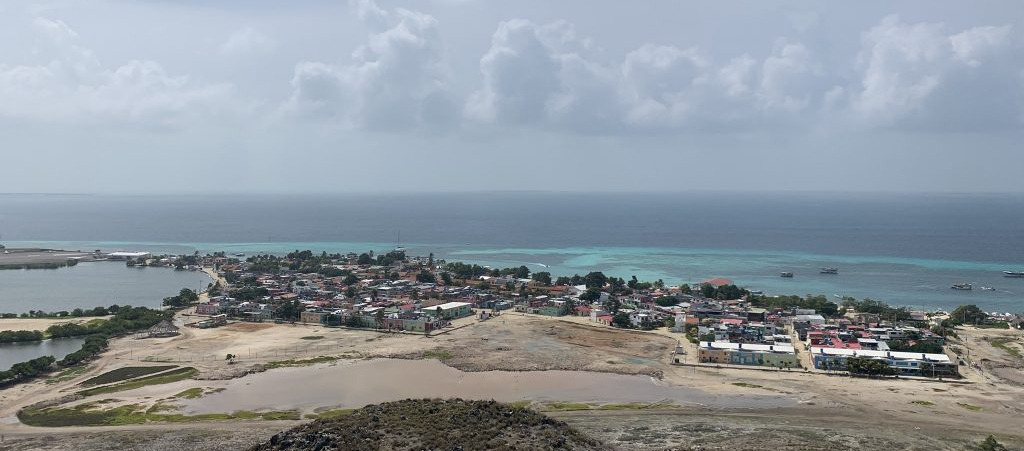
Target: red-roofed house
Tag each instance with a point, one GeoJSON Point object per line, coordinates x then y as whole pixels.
{"type": "Point", "coordinates": [718, 281]}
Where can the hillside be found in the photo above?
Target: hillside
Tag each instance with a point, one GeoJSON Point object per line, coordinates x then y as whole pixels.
{"type": "Point", "coordinates": [434, 424]}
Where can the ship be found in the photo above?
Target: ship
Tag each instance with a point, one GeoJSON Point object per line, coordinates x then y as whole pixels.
{"type": "Point", "coordinates": [1013, 273]}
{"type": "Point", "coordinates": [962, 286]}
{"type": "Point", "coordinates": [829, 270]}
{"type": "Point", "coordinates": [786, 274]}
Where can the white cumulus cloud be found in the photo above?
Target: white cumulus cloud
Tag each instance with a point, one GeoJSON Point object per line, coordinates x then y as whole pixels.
{"type": "Point", "coordinates": [397, 79]}
{"type": "Point", "coordinates": [75, 86]}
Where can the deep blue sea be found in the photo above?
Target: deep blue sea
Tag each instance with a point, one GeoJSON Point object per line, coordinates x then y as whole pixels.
{"type": "Point", "coordinates": [906, 249]}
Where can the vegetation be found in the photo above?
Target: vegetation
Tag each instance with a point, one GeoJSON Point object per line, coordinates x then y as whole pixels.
{"type": "Point", "coordinates": [426, 277]}
{"type": "Point", "coordinates": [98, 311]}
{"type": "Point", "coordinates": [821, 304]}
{"type": "Point", "coordinates": [968, 406]}
{"type": "Point", "coordinates": [621, 319]}
{"type": "Point", "coordinates": [18, 336]}
{"type": "Point", "coordinates": [86, 415]}
{"type": "Point", "coordinates": [666, 301]}
{"type": "Point", "coordinates": [434, 424]}
{"type": "Point", "coordinates": [926, 347]}
{"type": "Point", "coordinates": [328, 414]}
{"type": "Point", "coordinates": [24, 371]}
{"type": "Point", "coordinates": [299, 362]}
{"type": "Point", "coordinates": [543, 277]}
{"type": "Point", "coordinates": [125, 373]}
{"type": "Point", "coordinates": [923, 403]}
{"type": "Point", "coordinates": [441, 354]}
{"type": "Point", "coordinates": [67, 374]}
{"type": "Point", "coordinates": [176, 375]}
{"type": "Point", "coordinates": [990, 444]}
{"type": "Point", "coordinates": [723, 292]}
{"type": "Point", "coordinates": [46, 265]}
{"type": "Point", "coordinates": [966, 314]}
{"type": "Point", "coordinates": [1002, 343]}
{"type": "Point", "coordinates": [184, 298]}
{"type": "Point", "coordinates": [862, 366]}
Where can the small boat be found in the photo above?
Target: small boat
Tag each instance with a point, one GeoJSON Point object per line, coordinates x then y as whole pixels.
{"type": "Point", "coordinates": [1013, 273]}
{"type": "Point", "coordinates": [240, 254]}
{"type": "Point", "coordinates": [829, 270]}
{"type": "Point", "coordinates": [987, 289]}
{"type": "Point", "coordinates": [787, 275]}
{"type": "Point", "coordinates": [962, 286]}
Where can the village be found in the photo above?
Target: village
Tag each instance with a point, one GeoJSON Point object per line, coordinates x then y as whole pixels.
{"type": "Point", "coordinates": [714, 322]}
{"type": "Point", "coordinates": [609, 355]}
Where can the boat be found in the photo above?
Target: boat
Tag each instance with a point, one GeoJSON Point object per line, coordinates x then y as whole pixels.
{"type": "Point", "coordinates": [240, 254]}
{"type": "Point", "coordinates": [829, 270]}
{"type": "Point", "coordinates": [787, 275]}
{"type": "Point", "coordinates": [987, 289]}
{"type": "Point", "coordinates": [1013, 273]}
{"type": "Point", "coordinates": [962, 286]}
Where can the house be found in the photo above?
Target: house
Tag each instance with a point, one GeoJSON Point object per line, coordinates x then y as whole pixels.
{"type": "Point", "coordinates": [776, 356]}
{"type": "Point", "coordinates": [210, 308]}
{"type": "Point", "coordinates": [903, 363]}
{"type": "Point", "coordinates": [450, 310]}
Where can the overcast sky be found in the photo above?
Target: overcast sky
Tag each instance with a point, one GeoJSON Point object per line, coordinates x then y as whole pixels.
{"type": "Point", "coordinates": [459, 95]}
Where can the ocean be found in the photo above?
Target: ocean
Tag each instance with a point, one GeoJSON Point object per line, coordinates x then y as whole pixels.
{"type": "Point", "coordinates": [905, 249]}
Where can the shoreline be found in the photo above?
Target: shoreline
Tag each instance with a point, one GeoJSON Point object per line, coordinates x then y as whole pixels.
{"type": "Point", "coordinates": [914, 283]}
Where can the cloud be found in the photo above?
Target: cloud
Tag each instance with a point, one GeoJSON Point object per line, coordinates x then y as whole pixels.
{"type": "Point", "coordinates": [542, 74]}
{"type": "Point", "coordinates": [546, 75]}
{"type": "Point", "coordinates": [75, 86]}
{"type": "Point", "coordinates": [397, 79]}
{"type": "Point", "coordinates": [921, 76]}
{"type": "Point", "coordinates": [247, 41]}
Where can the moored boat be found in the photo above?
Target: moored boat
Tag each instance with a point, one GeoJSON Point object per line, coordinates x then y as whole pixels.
{"type": "Point", "coordinates": [829, 270]}
{"type": "Point", "coordinates": [786, 274]}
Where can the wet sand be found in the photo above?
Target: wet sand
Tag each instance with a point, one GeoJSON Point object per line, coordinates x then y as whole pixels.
{"type": "Point", "coordinates": [352, 384]}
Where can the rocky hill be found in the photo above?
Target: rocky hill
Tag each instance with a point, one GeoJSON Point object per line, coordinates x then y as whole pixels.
{"type": "Point", "coordinates": [433, 424]}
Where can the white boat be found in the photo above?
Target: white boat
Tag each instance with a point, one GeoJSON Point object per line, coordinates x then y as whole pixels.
{"type": "Point", "coordinates": [1013, 273]}
{"type": "Point", "coordinates": [962, 286]}
{"type": "Point", "coordinates": [829, 270]}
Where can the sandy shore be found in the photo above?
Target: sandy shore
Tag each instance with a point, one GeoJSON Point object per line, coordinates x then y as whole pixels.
{"type": "Point", "coordinates": [40, 323]}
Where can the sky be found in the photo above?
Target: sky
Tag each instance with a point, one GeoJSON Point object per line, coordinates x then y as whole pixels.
{"type": "Point", "coordinates": [185, 96]}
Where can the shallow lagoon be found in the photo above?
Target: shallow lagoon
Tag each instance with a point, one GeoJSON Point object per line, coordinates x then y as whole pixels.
{"type": "Point", "coordinates": [92, 284]}
{"type": "Point", "coordinates": [351, 384]}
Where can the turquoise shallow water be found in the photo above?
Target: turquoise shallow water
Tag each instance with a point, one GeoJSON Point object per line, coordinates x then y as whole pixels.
{"type": "Point", "coordinates": [916, 282]}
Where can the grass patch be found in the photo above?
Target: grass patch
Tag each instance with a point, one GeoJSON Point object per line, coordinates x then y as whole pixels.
{"type": "Point", "coordinates": [521, 404]}
{"type": "Point", "coordinates": [312, 337]}
{"type": "Point", "coordinates": [1003, 344]}
{"type": "Point", "coordinates": [299, 362]}
{"type": "Point", "coordinates": [567, 406]}
{"type": "Point", "coordinates": [922, 403]}
{"type": "Point", "coordinates": [179, 374]}
{"type": "Point", "coordinates": [573, 406]}
{"type": "Point", "coordinates": [192, 393]}
{"type": "Point", "coordinates": [637, 406]}
{"type": "Point", "coordinates": [748, 385]}
{"type": "Point", "coordinates": [438, 354]}
{"type": "Point", "coordinates": [67, 374]}
{"type": "Point", "coordinates": [83, 415]}
{"type": "Point", "coordinates": [122, 374]}
{"type": "Point", "coordinates": [968, 406]}
{"type": "Point", "coordinates": [327, 414]}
